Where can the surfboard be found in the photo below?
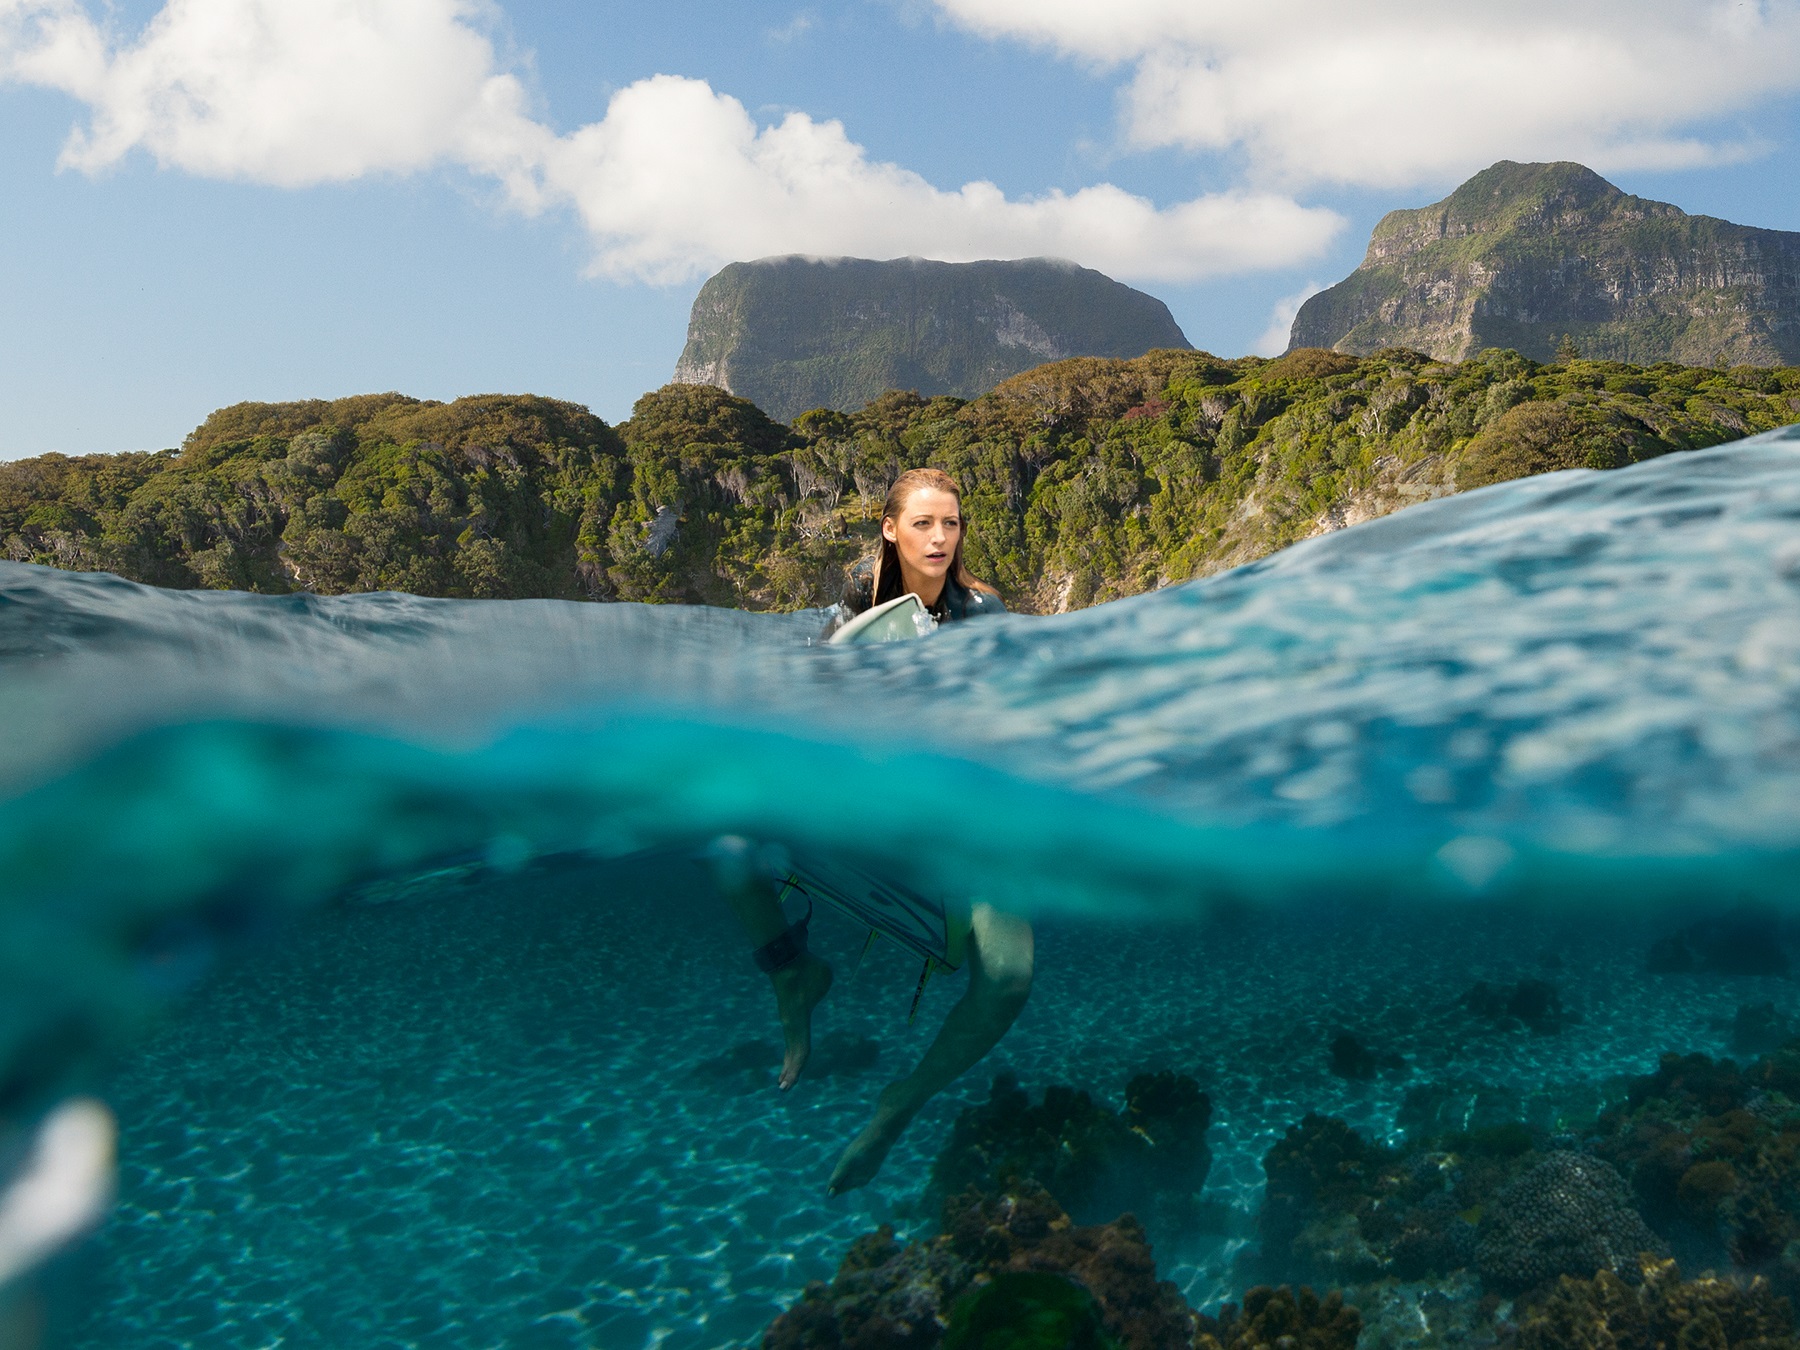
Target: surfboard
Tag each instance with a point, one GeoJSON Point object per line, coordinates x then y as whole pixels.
{"type": "Point", "coordinates": [909, 920]}
{"type": "Point", "coordinates": [897, 620]}
{"type": "Point", "coordinates": [904, 917]}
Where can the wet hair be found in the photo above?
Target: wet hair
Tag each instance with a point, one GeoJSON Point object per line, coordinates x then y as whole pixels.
{"type": "Point", "coordinates": [887, 553]}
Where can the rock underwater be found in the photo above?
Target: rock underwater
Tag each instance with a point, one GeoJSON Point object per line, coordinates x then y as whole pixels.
{"type": "Point", "coordinates": [1505, 1234]}
{"type": "Point", "coordinates": [892, 1297]}
{"type": "Point", "coordinates": [1150, 1159]}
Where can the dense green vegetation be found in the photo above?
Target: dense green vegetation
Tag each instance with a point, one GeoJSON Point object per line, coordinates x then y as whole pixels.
{"type": "Point", "coordinates": [1085, 479]}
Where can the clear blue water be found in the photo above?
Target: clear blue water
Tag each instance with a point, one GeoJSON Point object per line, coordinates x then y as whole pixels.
{"type": "Point", "coordinates": [376, 919]}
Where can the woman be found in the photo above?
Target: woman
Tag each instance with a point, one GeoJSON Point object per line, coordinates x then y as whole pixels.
{"type": "Point", "coordinates": [921, 551]}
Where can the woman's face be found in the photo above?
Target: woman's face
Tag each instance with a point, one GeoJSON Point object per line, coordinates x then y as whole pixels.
{"type": "Point", "coordinates": [926, 531]}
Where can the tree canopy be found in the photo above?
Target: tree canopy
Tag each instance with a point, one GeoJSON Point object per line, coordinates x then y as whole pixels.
{"type": "Point", "coordinates": [1084, 480]}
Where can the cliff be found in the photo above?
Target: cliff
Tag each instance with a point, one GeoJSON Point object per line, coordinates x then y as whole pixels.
{"type": "Point", "coordinates": [797, 333]}
{"type": "Point", "coordinates": [1533, 256]}
{"type": "Point", "coordinates": [1085, 480]}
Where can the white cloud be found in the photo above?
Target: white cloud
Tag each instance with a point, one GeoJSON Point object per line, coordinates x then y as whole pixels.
{"type": "Point", "coordinates": [274, 91]}
{"type": "Point", "coordinates": [676, 172]}
{"type": "Point", "coordinates": [1396, 92]}
{"type": "Point", "coordinates": [676, 179]}
{"type": "Point", "coordinates": [1274, 339]}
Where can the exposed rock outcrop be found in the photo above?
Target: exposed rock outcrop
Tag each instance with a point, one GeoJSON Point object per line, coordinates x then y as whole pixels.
{"type": "Point", "coordinates": [1536, 257]}
{"type": "Point", "coordinates": [798, 333]}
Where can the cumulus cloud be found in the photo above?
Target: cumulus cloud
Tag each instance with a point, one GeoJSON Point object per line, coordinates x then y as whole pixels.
{"type": "Point", "coordinates": [1397, 92]}
{"type": "Point", "coordinates": [276, 92]}
{"type": "Point", "coordinates": [677, 172]}
{"type": "Point", "coordinates": [674, 180]}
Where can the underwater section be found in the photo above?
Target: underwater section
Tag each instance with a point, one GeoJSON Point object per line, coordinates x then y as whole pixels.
{"type": "Point", "coordinates": [1373, 883]}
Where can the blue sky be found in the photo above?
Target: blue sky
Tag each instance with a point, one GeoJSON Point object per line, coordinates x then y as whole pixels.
{"type": "Point", "coordinates": [452, 196]}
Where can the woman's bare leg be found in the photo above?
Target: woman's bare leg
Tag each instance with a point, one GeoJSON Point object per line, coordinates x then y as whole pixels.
{"type": "Point", "coordinates": [799, 986]}
{"type": "Point", "coordinates": [1000, 965]}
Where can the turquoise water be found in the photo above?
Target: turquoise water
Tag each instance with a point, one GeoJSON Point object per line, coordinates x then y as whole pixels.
{"type": "Point", "coordinates": [377, 922]}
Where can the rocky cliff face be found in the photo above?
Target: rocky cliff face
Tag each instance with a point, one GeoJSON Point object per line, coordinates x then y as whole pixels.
{"type": "Point", "coordinates": [798, 333]}
{"type": "Point", "coordinates": [1524, 255]}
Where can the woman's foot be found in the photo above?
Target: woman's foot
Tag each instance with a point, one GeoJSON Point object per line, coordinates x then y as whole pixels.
{"type": "Point", "coordinates": [862, 1160]}
{"type": "Point", "coordinates": [798, 989]}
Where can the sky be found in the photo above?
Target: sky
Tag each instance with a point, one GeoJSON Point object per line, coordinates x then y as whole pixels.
{"type": "Point", "coordinates": [208, 201]}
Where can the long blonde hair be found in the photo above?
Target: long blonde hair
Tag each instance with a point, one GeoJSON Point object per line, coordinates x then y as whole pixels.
{"type": "Point", "coordinates": [887, 554]}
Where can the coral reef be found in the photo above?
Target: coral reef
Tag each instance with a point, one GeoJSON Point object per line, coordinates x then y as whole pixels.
{"type": "Point", "coordinates": [1507, 1220]}
{"type": "Point", "coordinates": [1659, 1310]}
{"type": "Point", "coordinates": [1341, 1210]}
{"type": "Point", "coordinates": [1027, 1310]}
{"type": "Point", "coordinates": [1319, 1174]}
{"type": "Point", "coordinates": [1273, 1318]}
{"type": "Point", "coordinates": [1568, 1215]}
{"type": "Point", "coordinates": [884, 1297]}
{"type": "Point", "coordinates": [1700, 1159]}
{"type": "Point", "coordinates": [1012, 1272]}
{"type": "Point", "coordinates": [1444, 1313]}
{"type": "Point", "coordinates": [1712, 1154]}
{"type": "Point", "coordinates": [1150, 1159]}
{"type": "Point", "coordinates": [946, 1290]}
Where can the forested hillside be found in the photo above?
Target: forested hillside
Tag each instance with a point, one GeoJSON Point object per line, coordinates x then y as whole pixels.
{"type": "Point", "coordinates": [1086, 479]}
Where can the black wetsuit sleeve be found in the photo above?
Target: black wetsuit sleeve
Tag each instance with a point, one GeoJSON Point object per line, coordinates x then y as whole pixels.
{"type": "Point", "coordinates": [984, 602]}
{"type": "Point", "coordinates": [969, 602]}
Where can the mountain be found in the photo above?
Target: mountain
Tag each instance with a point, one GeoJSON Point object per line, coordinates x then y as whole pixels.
{"type": "Point", "coordinates": [797, 333]}
{"type": "Point", "coordinates": [1532, 257]}
{"type": "Point", "coordinates": [1085, 479]}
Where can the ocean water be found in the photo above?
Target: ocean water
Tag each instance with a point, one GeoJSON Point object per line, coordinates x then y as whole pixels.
{"type": "Point", "coordinates": [379, 925]}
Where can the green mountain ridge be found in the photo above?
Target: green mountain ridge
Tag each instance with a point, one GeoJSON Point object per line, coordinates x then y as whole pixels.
{"type": "Point", "coordinates": [1531, 256]}
{"type": "Point", "coordinates": [1085, 479]}
{"type": "Point", "coordinates": [796, 333]}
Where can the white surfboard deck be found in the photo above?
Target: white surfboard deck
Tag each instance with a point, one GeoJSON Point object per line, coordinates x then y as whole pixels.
{"type": "Point", "coordinates": [897, 620]}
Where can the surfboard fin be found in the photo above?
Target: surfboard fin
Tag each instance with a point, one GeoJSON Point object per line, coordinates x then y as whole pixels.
{"type": "Point", "coordinates": [865, 951]}
{"type": "Point", "coordinates": [919, 993]}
